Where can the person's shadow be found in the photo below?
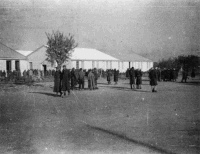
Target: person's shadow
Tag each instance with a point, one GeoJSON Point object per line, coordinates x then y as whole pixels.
{"type": "Point", "coordinates": [48, 94]}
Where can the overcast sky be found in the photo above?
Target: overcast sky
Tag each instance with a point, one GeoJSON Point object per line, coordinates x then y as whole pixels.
{"type": "Point", "coordinates": [155, 29]}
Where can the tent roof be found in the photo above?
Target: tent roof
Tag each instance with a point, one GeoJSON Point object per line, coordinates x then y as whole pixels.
{"type": "Point", "coordinates": [8, 53]}
{"type": "Point", "coordinates": [90, 54]}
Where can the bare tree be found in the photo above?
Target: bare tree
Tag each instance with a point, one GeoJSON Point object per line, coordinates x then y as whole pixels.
{"type": "Point", "coordinates": [59, 47]}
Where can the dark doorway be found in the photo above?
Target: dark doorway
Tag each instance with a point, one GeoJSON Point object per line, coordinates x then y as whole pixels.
{"type": "Point", "coordinates": [17, 66]}
{"type": "Point", "coordinates": [8, 65]}
{"type": "Point", "coordinates": [129, 64]}
{"type": "Point", "coordinates": [44, 69]}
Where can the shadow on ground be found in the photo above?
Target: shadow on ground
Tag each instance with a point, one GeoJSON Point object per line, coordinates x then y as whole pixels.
{"type": "Point", "coordinates": [124, 137]}
{"type": "Point", "coordinates": [45, 93]}
{"type": "Point", "coordinates": [125, 89]}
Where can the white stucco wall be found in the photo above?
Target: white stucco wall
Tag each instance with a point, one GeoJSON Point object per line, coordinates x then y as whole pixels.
{"type": "Point", "coordinates": [3, 65]}
{"type": "Point", "coordinates": [115, 65]}
{"type": "Point", "coordinates": [102, 65]}
{"type": "Point", "coordinates": [23, 65]}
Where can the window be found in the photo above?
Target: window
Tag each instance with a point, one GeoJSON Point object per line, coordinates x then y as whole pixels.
{"type": "Point", "coordinates": [17, 66]}
{"type": "Point", "coordinates": [8, 65]}
{"type": "Point", "coordinates": [30, 65]}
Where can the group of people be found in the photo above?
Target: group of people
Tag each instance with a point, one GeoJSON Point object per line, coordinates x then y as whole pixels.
{"type": "Point", "coordinates": [66, 80]}
{"type": "Point", "coordinates": [110, 73]}
{"type": "Point", "coordinates": [17, 74]}
{"type": "Point", "coordinates": [135, 76]}
{"type": "Point", "coordinates": [167, 74]}
{"type": "Point", "coordinates": [10, 75]}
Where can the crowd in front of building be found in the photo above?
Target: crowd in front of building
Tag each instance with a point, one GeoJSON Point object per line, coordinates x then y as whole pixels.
{"type": "Point", "coordinates": [67, 79]}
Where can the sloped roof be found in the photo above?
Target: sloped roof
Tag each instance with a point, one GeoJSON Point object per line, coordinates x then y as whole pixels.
{"type": "Point", "coordinates": [43, 46]}
{"type": "Point", "coordinates": [132, 57]}
{"type": "Point", "coordinates": [24, 52]}
{"type": "Point", "coordinates": [93, 54]}
{"type": "Point", "coordinates": [90, 54]}
{"type": "Point", "coordinates": [8, 53]}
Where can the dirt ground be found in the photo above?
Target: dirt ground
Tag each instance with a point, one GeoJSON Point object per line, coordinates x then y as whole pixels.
{"type": "Point", "coordinates": [112, 119]}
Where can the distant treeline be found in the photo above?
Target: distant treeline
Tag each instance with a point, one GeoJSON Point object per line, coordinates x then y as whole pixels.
{"type": "Point", "coordinates": [185, 62]}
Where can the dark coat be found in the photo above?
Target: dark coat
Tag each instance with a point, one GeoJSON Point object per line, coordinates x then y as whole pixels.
{"type": "Point", "coordinates": [57, 81]}
{"type": "Point", "coordinates": [153, 77]}
{"type": "Point", "coordinates": [81, 76]}
{"type": "Point", "coordinates": [91, 80]}
{"type": "Point", "coordinates": [174, 74]}
{"type": "Point", "coordinates": [138, 75]}
{"type": "Point", "coordinates": [132, 76]}
{"type": "Point", "coordinates": [184, 75]}
{"type": "Point", "coordinates": [73, 79]}
{"type": "Point", "coordinates": [109, 74]}
{"type": "Point", "coordinates": [116, 75]}
{"type": "Point", "coordinates": [65, 80]}
{"type": "Point", "coordinates": [193, 73]}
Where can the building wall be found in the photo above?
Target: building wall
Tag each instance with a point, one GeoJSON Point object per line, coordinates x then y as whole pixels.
{"type": "Point", "coordinates": [115, 65]}
{"type": "Point", "coordinates": [23, 65]}
{"type": "Point", "coordinates": [126, 66]}
{"type": "Point", "coordinates": [102, 65]}
{"type": "Point", "coordinates": [87, 65]}
{"type": "Point", "coordinates": [144, 66]}
{"type": "Point", "coordinates": [38, 60]}
{"type": "Point", "coordinates": [95, 64]}
{"type": "Point", "coordinates": [3, 65]}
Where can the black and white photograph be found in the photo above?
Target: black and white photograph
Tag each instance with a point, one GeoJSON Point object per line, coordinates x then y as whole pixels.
{"type": "Point", "coordinates": [99, 76]}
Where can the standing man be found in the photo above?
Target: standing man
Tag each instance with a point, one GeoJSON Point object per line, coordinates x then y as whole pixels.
{"type": "Point", "coordinates": [193, 73]}
{"type": "Point", "coordinates": [91, 84]}
{"type": "Point", "coordinates": [138, 75]}
{"type": "Point", "coordinates": [153, 76]}
{"type": "Point", "coordinates": [184, 75]}
{"type": "Point", "coordinates": [57, 81]}
{"type": "Point", "coordinates": [158, 73]}
{"type": "Point", "coordinates": [95, 77]}
{"type": "Point", "coordinates": [73, 79]}
{"type": "Point", "coordinates": [116, 75]}
{"type": "Point", "coordinates": [81, 78]}
{"type": "Point", "coordinates": [174, 75]}
{"type": "Point", "coordinates": [65, 81]}
{"type": "Point", "coordinates": [109, 74]}
{"type": "Point", "coordinates": [132, 77]}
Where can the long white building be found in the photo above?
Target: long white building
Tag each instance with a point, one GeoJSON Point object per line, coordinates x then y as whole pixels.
{"type": "Point", "coordinates": [88, 58]}
{"type": "Point", "coordinates": [85, 58]}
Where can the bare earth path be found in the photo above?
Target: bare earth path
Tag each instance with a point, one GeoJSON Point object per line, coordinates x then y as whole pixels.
{"type": "Point", "coordinates": [112, 119]}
